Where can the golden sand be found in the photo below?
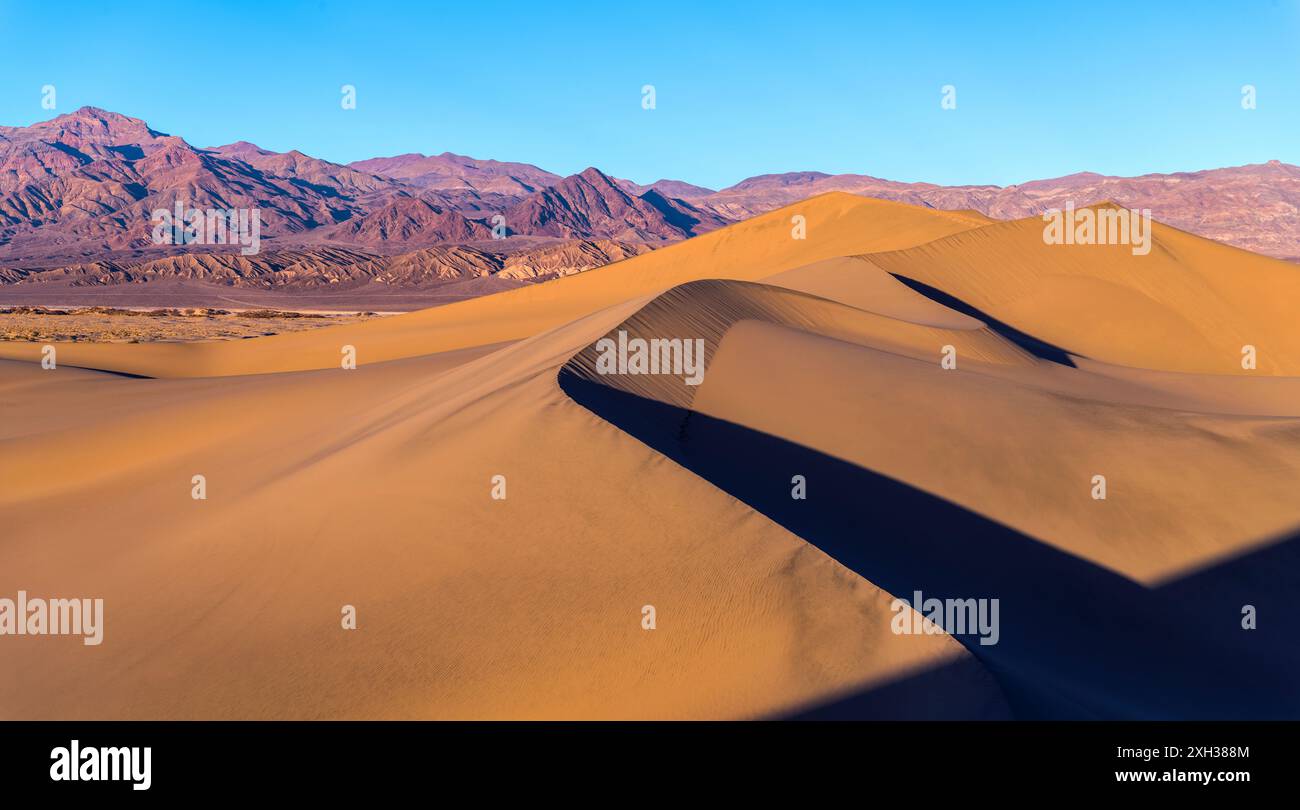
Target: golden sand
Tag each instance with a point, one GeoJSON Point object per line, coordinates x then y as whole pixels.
{"type": "Point", "coordinates": [372, 487]}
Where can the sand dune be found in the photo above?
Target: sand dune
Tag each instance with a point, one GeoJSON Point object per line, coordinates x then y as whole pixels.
{"type": "Point", "coordinates": [373, 487]}
{"type": "Point", "coordinates": [1191, 304]}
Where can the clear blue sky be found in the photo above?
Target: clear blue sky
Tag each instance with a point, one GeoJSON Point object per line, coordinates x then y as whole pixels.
{"type": "Point", "coordinates": [1043, 89]}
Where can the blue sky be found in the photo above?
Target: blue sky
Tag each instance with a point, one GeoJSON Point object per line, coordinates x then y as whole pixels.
{"type": "Point", "coordinates": [1042, 89]}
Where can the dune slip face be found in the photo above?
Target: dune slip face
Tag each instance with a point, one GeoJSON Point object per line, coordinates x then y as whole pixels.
{"type": "Point", "coordinates": [765, 438]}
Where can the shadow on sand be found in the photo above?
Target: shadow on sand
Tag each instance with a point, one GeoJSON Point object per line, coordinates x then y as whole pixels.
{"type": "Point", "coordinates": [1077, 640]}
{"type": "Point", "coordinates": [1037, 347]}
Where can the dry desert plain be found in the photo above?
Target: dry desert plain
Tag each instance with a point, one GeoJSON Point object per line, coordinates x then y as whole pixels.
{"type": "Point", "coordinates": [372, 488]}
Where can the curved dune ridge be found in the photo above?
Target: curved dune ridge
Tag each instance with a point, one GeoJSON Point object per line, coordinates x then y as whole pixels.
{"type": "Point", "coordinates": [373, 488]}
{"type": "Point", "coordinates": [1189, 305]}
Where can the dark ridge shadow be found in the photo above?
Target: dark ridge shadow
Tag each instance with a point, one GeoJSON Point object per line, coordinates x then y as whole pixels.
{"type": "Point", "coordinates": [1038, 348]}
{"type": "Point", "coordinates": [71, 152]}
{"type": "Point", "coordinates": [126, 374]}
{"type": "Point", "coordinates": [138, 191]}
{"type": "Point", "coordinates": [1077, 641]}
{"type": "Point", "coordinates": [948, 692]}
{"type": "Point", "coordinates": [674, 214]}
{"type": "Point", "coordinates": [127, 151]}
{"type": "Point", "coordinates": [324, 191]}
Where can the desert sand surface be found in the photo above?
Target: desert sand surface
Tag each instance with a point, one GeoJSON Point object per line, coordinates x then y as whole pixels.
{"type": "Point", "coordinates": [373, 487]}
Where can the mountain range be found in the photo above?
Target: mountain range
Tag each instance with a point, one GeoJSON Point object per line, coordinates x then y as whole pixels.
{"type": "Point", "coordinates": [77, 192]}
{"type": "Point", "coordinates": [1255, 207]}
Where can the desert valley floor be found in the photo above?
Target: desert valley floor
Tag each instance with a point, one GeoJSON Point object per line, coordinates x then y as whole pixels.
{"type": "Point", "coordinates": [372, 487]}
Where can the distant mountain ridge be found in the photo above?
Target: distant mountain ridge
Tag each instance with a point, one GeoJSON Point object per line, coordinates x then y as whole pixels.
{"type": "Point", "coordinates": [450, 171]}
{"type": "Point", "coordinates": [1256, 207]}
{"type": "Point", "coordinates": [84, 185]}
{"type": "Point", "coordinates": [80, 189]}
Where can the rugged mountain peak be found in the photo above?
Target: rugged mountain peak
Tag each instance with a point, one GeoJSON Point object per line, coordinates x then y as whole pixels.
{"type": "Point", "coordinates": [240, 149]}
{"type": "Point", "coordinates": [91, 125]}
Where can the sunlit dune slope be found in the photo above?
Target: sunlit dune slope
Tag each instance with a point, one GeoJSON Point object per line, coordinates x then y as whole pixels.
{"type": "Point", "coordinates": [1026, 434]}
{"type": "Point", "coordinates": [1184, 488]}
{"type": "Point", "coordinates": [837, 224]}
{"type": "Point", "coordinates": [1191, 304]}
{"type": "Point", "coordinates": [707, 310]}
{"type": "Point", "coordinates": [372, 488]}
{"type": "Point", "coordinates": [855, 281]}
{"type": "Point", "coordinates": [982, 480]}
